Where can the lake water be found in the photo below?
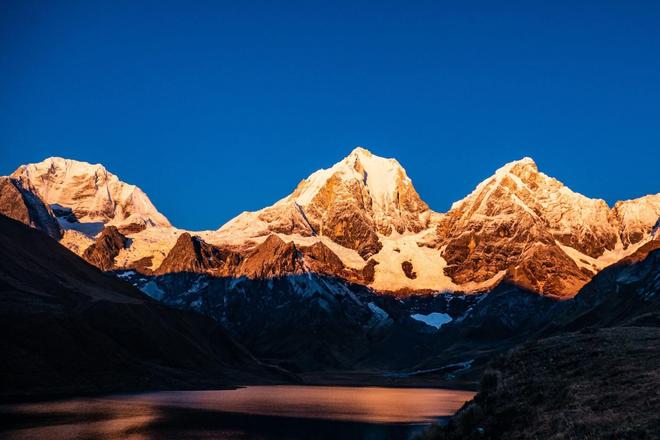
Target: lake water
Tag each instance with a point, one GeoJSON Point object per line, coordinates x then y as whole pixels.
{"type": "Point", "coordinates": [255, 412]}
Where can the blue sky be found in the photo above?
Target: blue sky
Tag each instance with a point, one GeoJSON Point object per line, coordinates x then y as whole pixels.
{"type": "Point", "coordinates": [214, 108]}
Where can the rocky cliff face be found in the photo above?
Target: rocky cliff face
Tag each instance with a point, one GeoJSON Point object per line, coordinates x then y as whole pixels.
{"type": "Point", "coordinates": [21, 204]}
{"type": "Point", "coordinates": [105, 249]}
{"type": "Point", "coordinates": [192, 254]}
{"type": "Point", "coordinates": [514, 222]}
{"type": "Point", "coordinates": [272, 258]}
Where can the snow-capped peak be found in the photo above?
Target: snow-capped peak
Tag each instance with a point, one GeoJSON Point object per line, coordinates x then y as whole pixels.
{"type": "Point", "coordinates": [586, 224]}
{"type": "Point", "coordinates": [92, 194]}
{"type": "Point", "coordinates": [360, 151]}
{"type": "Point", "coordinates": [525, 161]}
{"type": "Point", "coordinates": [512, 170]}
{"type": "Point", "coordinates": [381, 177]}
{"type": "Point", "coordinates": [351, 202]}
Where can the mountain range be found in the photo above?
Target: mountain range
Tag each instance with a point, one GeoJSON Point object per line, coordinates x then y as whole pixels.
{"type": "Point", "coordinates": [360, 220]}
{"type": "Point", "coordinates": [353, 270]}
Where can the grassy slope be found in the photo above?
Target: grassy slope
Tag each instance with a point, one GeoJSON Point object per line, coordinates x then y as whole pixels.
{"type": "Point", "coordinates": [594, 384]}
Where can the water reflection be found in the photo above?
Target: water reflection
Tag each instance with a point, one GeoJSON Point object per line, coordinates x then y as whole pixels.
{"type": "Point", "coordinates": [271, 412]}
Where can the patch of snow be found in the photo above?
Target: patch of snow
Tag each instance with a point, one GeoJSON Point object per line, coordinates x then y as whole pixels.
{"type": "Point", "coordinates": [324, 304]}
{"type": "Point", "coordinates": [151, 242]}
{"type": "Point", "coordinates": [608, 258]}
{"type": "Point", "coordinates": [427, 263]}
{"type": "Point", "coordinates": [90, 229]}
{"type": "Point", "coordinates": [461, 365]}
{"type": "Point", "coordinates": [380, 314]}
{"type": "Point", "coordinates": [199, 284]}
{"type": "Point", "coordinates": [152, 289]}
{"type": "Point", "coordinates": [582, 260]}
{"type": "Point", "coordinates": [435, 319]}
{"type": "Point", "coordinates": [236, 281]}
{"type": "Point", "coordinates": [126, 274]}
{"type": "Point", "coordinates": [380, 175]}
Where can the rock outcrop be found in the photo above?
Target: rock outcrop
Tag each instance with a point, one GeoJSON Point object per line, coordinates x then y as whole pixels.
{"type": "Point", "coordinates": [272, 258]}
{"type": "Point", "coordinates": [192, 254]}
{"type": "Point", "coordinates": [106, 247]}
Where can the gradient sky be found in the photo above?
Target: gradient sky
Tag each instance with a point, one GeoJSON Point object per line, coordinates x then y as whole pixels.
{"type": "Point", "coordinates": [217, 108]}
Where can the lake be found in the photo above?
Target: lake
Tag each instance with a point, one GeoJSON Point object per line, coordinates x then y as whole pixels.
{"type": "Point", "coordinates": [254, 412]}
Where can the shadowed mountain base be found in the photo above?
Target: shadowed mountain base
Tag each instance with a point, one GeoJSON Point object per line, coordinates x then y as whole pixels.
{"type": "Point", "coordinates": [69, 328]}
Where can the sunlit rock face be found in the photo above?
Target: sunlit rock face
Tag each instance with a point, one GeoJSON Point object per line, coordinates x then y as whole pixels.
{"type": "Point", "coordinates": [272, 258]}
{"type": "Point", "coordinates": [546, 237]}
{"type": "Point", "coordinates": [105, 249]}
{"type": "Point", "coordinates": [352, 202]}
{"type": "Point", "coordinates": [519, 224]}
{"type": "Point", "coordinates": [512, 222]}
{"type": "Point", "coordinates": [192, 254]}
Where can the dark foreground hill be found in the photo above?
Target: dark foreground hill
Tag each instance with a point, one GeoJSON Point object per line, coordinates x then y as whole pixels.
{"type": "Point", "coordinates": [594, 384]}
{"type": "Point", "coordinates": [69, 328]}
{"type": "Point", "coordinates": [594, 375]}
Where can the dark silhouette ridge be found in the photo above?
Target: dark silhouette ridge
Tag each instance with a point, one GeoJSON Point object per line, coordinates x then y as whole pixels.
{"type": "Point", "coordinates": [70, 328]}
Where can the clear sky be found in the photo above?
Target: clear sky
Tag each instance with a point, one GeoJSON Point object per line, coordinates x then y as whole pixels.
{"type": "Point", "coordinates": [218, 107]}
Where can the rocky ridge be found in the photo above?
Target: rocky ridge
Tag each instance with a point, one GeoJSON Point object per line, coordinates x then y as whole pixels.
{"type": "Point", "coordinates": [105, 249]}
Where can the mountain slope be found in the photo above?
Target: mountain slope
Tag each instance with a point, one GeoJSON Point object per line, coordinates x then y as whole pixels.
{"type": "Point", "coordinates": [600, 384]}
{"type": "Point", "coordinates": [587, 369]}
{"type": "Point", "coordinates": [67, 327]}
{"type": "Point", "coordinates": [305, 322]}
{"type": "Point", "coordinates": [624, 293]}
